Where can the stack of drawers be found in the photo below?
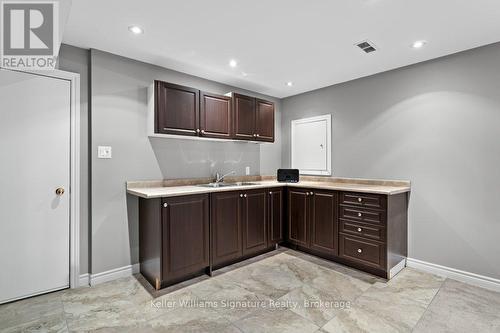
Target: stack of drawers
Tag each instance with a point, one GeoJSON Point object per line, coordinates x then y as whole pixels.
{"type": "Point", "coordinates": [362, 229]}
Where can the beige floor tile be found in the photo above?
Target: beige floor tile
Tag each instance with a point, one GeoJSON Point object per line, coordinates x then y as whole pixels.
{"type": "Point", "coordinates": [275, 321]}
{"type": "Point", "coordinates": [313, 304]}
{"type": "Point", "coordinates": [27, 310]}
{"type": "Point", "coordinates": [459, 307]}
{"type": "Point", "coordinates": [55, 323]}
{"type": "Point", "coordinates": [266, 295]}
{"type": "Point", "coordinates": [191, 320]}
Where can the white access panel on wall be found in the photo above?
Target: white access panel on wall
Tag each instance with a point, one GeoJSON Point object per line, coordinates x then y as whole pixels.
{"type": "Point", "coordinates": [311, 145]}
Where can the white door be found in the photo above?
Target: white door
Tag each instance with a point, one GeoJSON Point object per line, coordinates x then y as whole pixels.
{"type": "Point", "coordinates": [34, 163]}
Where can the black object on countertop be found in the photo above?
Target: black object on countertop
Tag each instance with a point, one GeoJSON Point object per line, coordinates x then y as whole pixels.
{"type": "Point", "coordinates": [288, 175]}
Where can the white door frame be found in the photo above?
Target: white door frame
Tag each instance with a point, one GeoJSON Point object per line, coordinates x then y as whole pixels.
{"type": "Point", "coordinates": [74, 187]}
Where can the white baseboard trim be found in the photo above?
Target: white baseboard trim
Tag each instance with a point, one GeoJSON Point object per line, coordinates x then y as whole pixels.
{"type": "Point", "coordinates": [113, 274]}
{"type": "Point", "coordinates": [455, 274]}
{"type": "Point", "coordinates": [84, 280]}
{"type": "Point", "coordinates": [396, 269]}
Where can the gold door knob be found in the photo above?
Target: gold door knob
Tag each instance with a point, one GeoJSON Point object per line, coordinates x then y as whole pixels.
{"type": "Point", "coordinates": [60, 191]}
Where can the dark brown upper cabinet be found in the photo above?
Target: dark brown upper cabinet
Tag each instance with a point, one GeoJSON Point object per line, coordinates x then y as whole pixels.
{"type": "Point", "coordinates": [244, 117]}
{"type": "Point", "coordinates": [176, 109]}
{"type": "Point", "coordinates": [253, 118]}
{"type": "Point", "coordinates": [264, 120]}
{"type": "Point", "coordinates": [215, 116]}
{"type": "Point", "coordinates": [181, 110]}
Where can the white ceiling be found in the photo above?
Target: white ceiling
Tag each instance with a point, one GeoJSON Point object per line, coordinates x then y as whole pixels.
{"type": "Point", "coordinates": [308, 42]}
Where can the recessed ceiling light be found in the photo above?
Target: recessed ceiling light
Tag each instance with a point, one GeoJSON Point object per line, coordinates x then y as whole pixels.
{"type": "Point", "coordinates": [135, 29]}
{"type": "Point", "coordinates": [289, 83]}
{"type": "Point", "coordinates": [418, 44]}
{"type": "Point", "coordinates": [233, 63]}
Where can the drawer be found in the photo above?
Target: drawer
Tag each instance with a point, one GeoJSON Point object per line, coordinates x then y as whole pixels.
{"type": "Point", "coordinates": [363, 230]}
{"type": "Point", "coordinates": [362, 215]}
{"type": "Point", "coordinates": [364, 200]}
{"type": "Point", "coordinates": [362, 251]}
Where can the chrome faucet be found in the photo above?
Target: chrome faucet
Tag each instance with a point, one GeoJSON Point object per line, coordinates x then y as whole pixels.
{"type": "Point", "coordinates": [219, 178]}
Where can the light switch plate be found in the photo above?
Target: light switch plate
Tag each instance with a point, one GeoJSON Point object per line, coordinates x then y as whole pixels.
{"type": "Point", "coordinates": [247, 170]}
{"type": "Point", "coordinates": [104, 152]}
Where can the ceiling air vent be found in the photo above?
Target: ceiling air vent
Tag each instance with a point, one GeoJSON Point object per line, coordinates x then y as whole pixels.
{"type": "Point", "coordinates": [367, 47]}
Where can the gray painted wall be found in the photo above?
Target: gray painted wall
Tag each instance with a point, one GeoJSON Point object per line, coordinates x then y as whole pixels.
{"type": "Point", "coordinates": [436, 124]}
{"type": "Point", "coordinates": [74, 59]}
{"type": "Point", "coordinates": [119, 106]}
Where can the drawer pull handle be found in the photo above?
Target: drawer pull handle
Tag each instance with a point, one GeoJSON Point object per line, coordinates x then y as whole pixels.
{"type": "Point", "coordinates": [359, 229]}
{"type": "Point", "coordinates": [359, 199]}
{"type": "Point", "coordinates": [245, 195]}
{"type": "Point", "coordinates": [165, 205]}
{"type": "Point", "coordinates": [312, 193]}
{"type": "Point", "coordinates": [359, 214]}
{"type": "Point", "coordinates": [360, 251]}
{"type": "Point", "coordinates": [241, 195]}
{"type": "Point", "coordinates": [270, 193]}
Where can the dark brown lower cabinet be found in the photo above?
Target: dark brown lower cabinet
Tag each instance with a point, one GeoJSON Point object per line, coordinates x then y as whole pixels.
{"type": "Point", "coordinates": [240, 224]}
{"type": "Point", "coordinates": [298, 216]}
{"type": "Point", "coordinates": [174, 238]}
{"type": "Point", "coordinates": [254, 221]}
{"type": "Point", "coordinates": [323, 222]}
{"type": "Point", "coordinates": [276, 210]}
{"type": "Point", "coordinates": [363, 230]}
{"type": "Point", "coordinates": [312, 220]}
{"type": "Point", "coordinates": [181, 237]}
{"type": "Point", "coordinates": [226, 211]}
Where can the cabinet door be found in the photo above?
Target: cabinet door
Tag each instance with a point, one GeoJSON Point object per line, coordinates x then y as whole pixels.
{"type": "Point", "coordinates": [215, 116]}
{"type": "Point", "coordinates": [244, 117]}
{"type": "Point", "coordinates": [185, 236]}
{"type": "Point", "coordinates": [298, 202]}
{"type": "Point", "coordinates": [254, 221]}
{"type": "Point", "coordinates": [275, 216]}
{"type": "Point", "coordinates": [323, 222]}
{"type": "Point", "coordinates": [264, 121]}
{"type": "Point", "coordinates": [176, 109]}
{"type": "Point", "coordinates": [226, 227]}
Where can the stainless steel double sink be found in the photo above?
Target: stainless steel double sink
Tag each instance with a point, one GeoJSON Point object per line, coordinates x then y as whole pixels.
{"type": "Point", "coordinates": [222, 184]}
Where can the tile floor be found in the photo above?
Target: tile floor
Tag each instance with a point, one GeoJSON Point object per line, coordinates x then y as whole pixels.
{"type": "Point", "coordinates": [283, 291]}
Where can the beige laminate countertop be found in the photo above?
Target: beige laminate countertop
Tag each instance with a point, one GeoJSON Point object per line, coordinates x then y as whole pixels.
{"type": "Point", "coordinates": [156, 190]}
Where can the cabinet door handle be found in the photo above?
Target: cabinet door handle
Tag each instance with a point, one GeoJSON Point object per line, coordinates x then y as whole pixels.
{"type": "Point", "coordinates": [245, 195]}
{"type": "Point", "coordinates": [197, 130]}
{"type": "Point", "coordinates": [202, 131]}
{"type": "Point", "coordinates": [359, 214]}
{"type": "Point", "coordinates": [312, 193]}
{"type": "Point", "coordinates": [307, 194]}
{"type": "Point", "coordinates": [165, 205]}
{"type": "Point", "coordinates": [270, 193]}
{"type": "Point", "coordinates": [359, 229]}
{"type": "Point", "coordinates": [257, 135]}
{"type": "Point", "coordinates": [359, 199]}
{"type": "Point", "coordinates": [360, 251]}
{"type": "Point", "coordinates": [241, 195]}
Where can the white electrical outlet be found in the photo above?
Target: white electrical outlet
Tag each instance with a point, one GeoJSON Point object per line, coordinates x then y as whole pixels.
{"type": "Point", "coordinates": [247, 170]}
{"type": "Point", "coordinates": [104, 152]}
